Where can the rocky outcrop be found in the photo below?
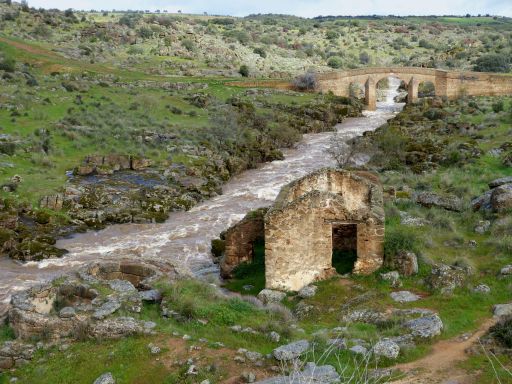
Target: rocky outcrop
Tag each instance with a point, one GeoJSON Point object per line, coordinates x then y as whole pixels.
{"type": "Point", "coordinates": [497, 199]}
{"type": "Point", "coordinates": [446, 277]}
{"type": "Point", "coordinates": [14, 354]}
{"type": "Point", "coordinates": [405, 262]}
{"type": "Point", "coordinates": [105, 165]}
{"type": "Point", "coordinates": [430, 199]}
{"type": "Point", "coordinates": [291, 351]}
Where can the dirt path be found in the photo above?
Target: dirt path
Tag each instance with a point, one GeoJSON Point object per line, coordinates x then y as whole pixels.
{"type": "Point", "coordinates": [439, 366]}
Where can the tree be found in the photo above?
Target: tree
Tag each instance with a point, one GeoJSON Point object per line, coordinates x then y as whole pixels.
{"type": "Point", "coordinates": [24, 6]}
{"type": "Point", "coordinates": [492, 63]}
{"type": "Point", "coordinates": [335, 62]}
{"type": "Point", "coordinates": [261, 52]}
{"type": "Point", "coordinates": [244, 70]}
{"type": "Point", "coordinates": [364, 58]}
{"type": "Point", "coordinates": [341, 151]}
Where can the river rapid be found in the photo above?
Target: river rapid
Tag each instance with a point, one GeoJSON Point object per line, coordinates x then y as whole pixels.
{"type": "Point", "coordinates": [185, 237]}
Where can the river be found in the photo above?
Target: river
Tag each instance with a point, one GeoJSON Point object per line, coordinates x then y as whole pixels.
{"type": "Point", "coordinates": [185, 237]}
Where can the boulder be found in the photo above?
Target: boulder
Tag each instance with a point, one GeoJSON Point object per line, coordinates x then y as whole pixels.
{"type": "Point", "coordinates": [482, 203]}
{"type": "Point", "coordinates": [386, 348]}
{"type": "Point", "coordinates": [506, 270]}
{"type": "Point", "coordinates": [500, 310]}
{"type": "Point", "coordinates": [501, 198]}
{"type": "Point", "coordinates": [312, 374]}
{"type": "Point", "coordinates": [404, 296]}
{"type": "Point", "coordinates": [152, 295]}
{"type": "Point", "coordinates": [106, 309]}
{"type": "Point", "coordinates": [122, 286]}
{"type": "Point", "coordinates": [291, 351]}
{"type": "Point", "coordinates": [337, 343]}
{"type": "Point", "coordinates": [425, 327]}
{"type": "Point", "coordinates": [268, 296]}
{"type": "Point", "coordinates": [405, 262]}
{"type": "Point", "coordinates": [446, 277]}
{"type": "Point", "coordinates": [364, 316]}
{"type": "Point", "coordinates": [358, 350]}
{"type": "Point", "coordinates": [482, 226]}
{"type": "Point", "coordinates": [501, 181]}
{"type": "Point", "coordinates": [448, 202]}
{"type": "Point", "coordinates": [106, 378]}
{"type": "Point", "coordinates": [307, 291]}
{"type": "Point", "coordinates": [67, 312]}
{"type": "Point", "coordinates": [482, 288]}
{"type": "Point", "coordinates": [117, 328]}
{"type": "Point", "coordinates": [14, 354]}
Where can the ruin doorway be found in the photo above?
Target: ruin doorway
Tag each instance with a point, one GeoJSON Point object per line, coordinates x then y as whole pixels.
{"type": "Point", "coordinates": [344, 247]}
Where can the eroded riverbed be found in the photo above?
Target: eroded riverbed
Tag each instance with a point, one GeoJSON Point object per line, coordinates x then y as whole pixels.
{"type": "Point", "coordinates": [185, 237]}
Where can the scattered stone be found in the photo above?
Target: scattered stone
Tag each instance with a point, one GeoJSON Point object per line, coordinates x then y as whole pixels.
{"type": "Point", "coordinates": [364, 316]}
{"type": "Point", "coordinates": [307, 291]}
{"type": "Point", "coordinates": [248, 377]}
{"type": "Point", "coordinates": [291, 351]}
{"type": "Point", "coordinates": [501, 181]}
{"type": "Point", "coordinates": [106, 378]}
{"type": "Point", "coordinates": [430, 199]}
{"type": "Point", "coordinates": [192, 370]}
{"type": "Point", "coordinates": [482, 226]}
{"type": "Point", "coordinates": [501, 198]}
{"type": "Point", "coordinates": [14, 354]}
{"type": "Point", "coordinates": [122, 286]}
{"type": "Point", "coordinates": [67, 312]}
{"type": "Point", "coordinates": [153, 349]}
{"type": "Point", "coordinates": [380, 374]}
{"type": "Point", "coordinates": [186, 337]}
{"type": "Point", "coordinates": [425, 327]}
{"type": "Point", "coordinates": [446, 277]}
{"type": "Point", "coordinates": [116, 328]}
{"type": "Point", "coordinates": [405, 262]}
{"type": "Point", "coordinates": [386, 348]}
{"type": "Point", "coordinates": [303, 310]}
{"type": "Point", "coordinates": [274, 337]}
{"type": "Point", "coordinates": [393, 277]}
{"type": "Point", "coordinates": [404, 296]}
{"type": "Point", "coordinates": [500, 310]}
{"type": "Point", "coordinates": [268, 296]}
{"type": "Point", "coordinates": [482, 288]}
{"type": "Point", "coordinates": [506, 270]}
{"type": "Point", "coordinates": [358, 350]}
{"type": "Point", "coordinates": [253, 356]}
{"type": "Point", "coordinates": [107, 309]}
{"type": "Point", "coordinates": [337, 343]}
{"type": "Point", "coordinates": [152, 295]}
{"type": "Point", "coordinates": [412, 221]}
{"type": "Point", "coordinates": [312, 374]}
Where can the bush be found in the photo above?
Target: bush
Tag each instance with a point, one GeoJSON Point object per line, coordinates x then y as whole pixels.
{"type": "Point", "coordinates": [364, 58]}
{"type": "Point", "coordinates": [335, 62]}
{"type": "Point", "coordinates": [261, 52]}
{"type": "Point", "coordinates": [134, 50]}
{"type": "Point", "coordinates": [244, 70]}
{"type": "Point", "coordinates": [502, 331]}
{"type": "Point", "coordinates": [8, 64]}
{"type": "Point", "coordinates": [306, 82]}
{"type": "Point", "coordinates": [498, 106]}
{"type": "Point", "coordinates": [492, 63]}
{"type": "Point", "coordinates": [400, 238]}
{"type": "Point", "coordinates": [145, 33]}
{"type": "Point", "coordinates": [188, 44]}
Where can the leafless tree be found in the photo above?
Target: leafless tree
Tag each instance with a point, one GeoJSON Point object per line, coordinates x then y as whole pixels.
{"type": "Point", "coordinates": [341, 150]}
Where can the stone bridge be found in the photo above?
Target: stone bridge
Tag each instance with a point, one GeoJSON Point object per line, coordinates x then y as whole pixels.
{"type": "Point", "coordinates": [450, 84]}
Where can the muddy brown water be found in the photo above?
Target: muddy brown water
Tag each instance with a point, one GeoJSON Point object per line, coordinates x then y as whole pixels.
{"type": "Point", "coordinates": [185, 237]}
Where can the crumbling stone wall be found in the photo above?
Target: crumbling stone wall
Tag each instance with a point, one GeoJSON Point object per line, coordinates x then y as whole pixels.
{"type": "Point", "coordinates": [239, 240]}
{"type": "Point", "coordinates": [299, 227]}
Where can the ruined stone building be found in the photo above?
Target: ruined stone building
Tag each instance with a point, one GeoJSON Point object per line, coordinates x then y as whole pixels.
{"type": "Point", "coordinates": [313, 219]}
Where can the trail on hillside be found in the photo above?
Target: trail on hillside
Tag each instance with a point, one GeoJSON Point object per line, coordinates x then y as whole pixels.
{"type": "Point", "coordinates": [440, 365]}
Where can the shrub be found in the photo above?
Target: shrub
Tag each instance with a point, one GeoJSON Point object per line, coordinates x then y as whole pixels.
{"type": "Point", "coordinates": [261, 52]}
{"type": "Point", "coordinates": [8, 64]}
{"type": "Point", "coordinates": [335, 62]}
{"type": "Point", "coordinates": [502, 331]}
{"type": "Point", "coordinates": [498, 106]}
{"type": "Point", "coordinates": [134, 50]}
{"type": "Point", "coordinates": [364, 58]}
{"type": "Point", "coordinates": [492, 63]}
{"type": "Point", "coordinates": [244, 70]}
{"type": "Point", "coordinates": [400, 238]}
{"type": "Point", "coordinates": [145, 33]}
{"type": "Point", "coordinates": [331, 35]}
{"type": "Point", "coordinates": [188, 44]}
{"type": "Point", "coordinates": [306, 82]}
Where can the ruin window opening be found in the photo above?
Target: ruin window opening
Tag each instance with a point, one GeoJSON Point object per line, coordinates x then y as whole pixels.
{"type": "Point", "coordinates": [344, 247]}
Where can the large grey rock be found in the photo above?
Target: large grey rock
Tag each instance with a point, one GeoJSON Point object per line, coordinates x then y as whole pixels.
{"type": "Point", "coordinates": [291, 351]}
{"type": "Point", "coordinates": [482, 203]}
{"type": "Point", "coordinates": [307, 291]}
{"type": "Point", "coordinates": [268, 296]}
{"type": "Point", "coordinates": [312, 374]}
{"type": "Point", "coordinates": [122, 286]}
{"type": "Point", "coordinates": [117, 328]}
{"type": "Point", "coordinates": [404, 296]}
{"type": "Point", "coordinates": [500, 310]}
{"type": "Point", "coordinates": [358, 350]}
{"type": "Point", "coordinates": [501, 198]}
{"type": "Point", "coordinates": [152, 295]}
{"type": "Point", "coordinates": [364, 316]}
{"type": "Point", "coordinates": [106, 378]}
{"type": "Point", "coordinates": [482, 226]}
{"type": "Point", "coordinates": [337, 343]}
{"type": "Point", "coordinates": [501, 181]}
{"type": "Point", "coordinates": [106, 309]}
{"type": "Point", "coordinates": [430, 199]}
{"type": "Point", "coordinates": [446, 277]}
{"type": "Point", "coordinates": [14, 354]}
{"type": "Point", "coordinates": [506, 270]}
{"type": "Point", "coordinates": [482, 288]}
{"type": "Point", "coordinates": [425, 327]}
{"type": "Point", "coordinates": [67, 312]}
{"type": "Point", "coordinates": [386, 348]}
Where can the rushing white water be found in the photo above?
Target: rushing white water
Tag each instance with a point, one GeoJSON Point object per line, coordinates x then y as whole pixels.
{"type": "Point", "coordinates": [185, 237]}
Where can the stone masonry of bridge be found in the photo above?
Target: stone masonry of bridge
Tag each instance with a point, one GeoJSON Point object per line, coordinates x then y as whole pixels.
{"type": "Point", "coordinates": [448, 84]}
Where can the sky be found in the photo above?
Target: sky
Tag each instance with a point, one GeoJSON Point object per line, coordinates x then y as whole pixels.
{"type": "Point", "coordinates": [305, 8]}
